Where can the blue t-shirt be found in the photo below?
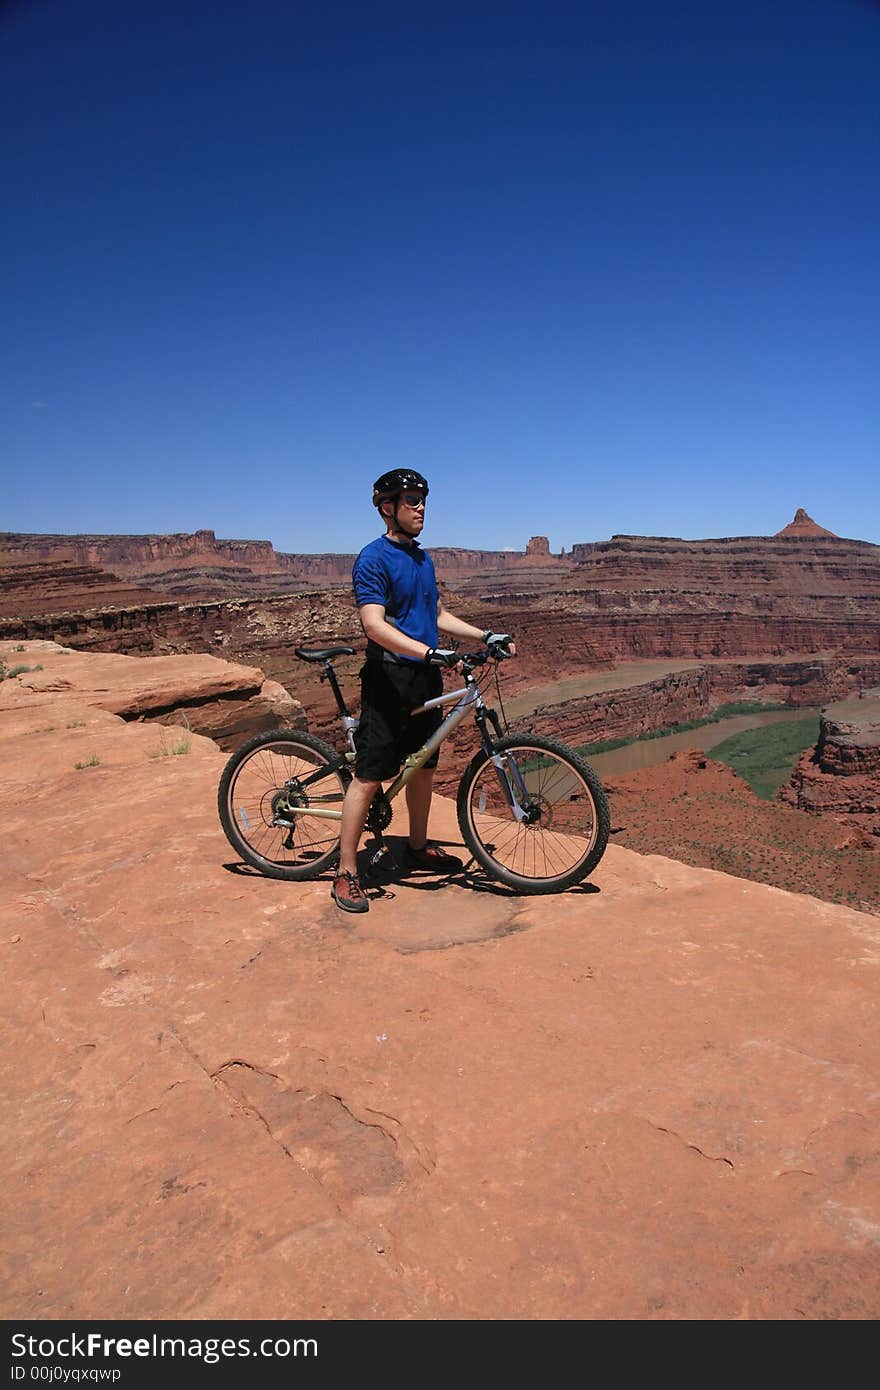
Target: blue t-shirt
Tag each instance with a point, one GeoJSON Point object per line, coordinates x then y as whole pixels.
{"type": "Point", "coordinates": [402, 579]}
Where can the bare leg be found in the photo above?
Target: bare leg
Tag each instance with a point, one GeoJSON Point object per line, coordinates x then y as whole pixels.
{"type": "Point", "coordinates": [354, 814]}
{"type": "Point", "coordinates": [419, 790]}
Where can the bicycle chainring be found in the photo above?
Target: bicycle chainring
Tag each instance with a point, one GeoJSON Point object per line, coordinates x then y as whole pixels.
{"type": "Point", "coordinates": [379, 815]}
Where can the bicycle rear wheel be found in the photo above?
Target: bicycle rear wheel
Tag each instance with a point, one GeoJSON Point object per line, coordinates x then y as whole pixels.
{"type": "Point", "coordinates": [265, 793]}
{"type": "Point", "coordinates": [564, 830]}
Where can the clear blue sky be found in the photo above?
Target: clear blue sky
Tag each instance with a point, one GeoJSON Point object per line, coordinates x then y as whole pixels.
{"type": "Point", "coordinates": [596, 267]}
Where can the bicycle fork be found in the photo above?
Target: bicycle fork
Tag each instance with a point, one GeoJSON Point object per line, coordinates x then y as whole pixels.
{"type": "Point", "coordinates": [513, 787]}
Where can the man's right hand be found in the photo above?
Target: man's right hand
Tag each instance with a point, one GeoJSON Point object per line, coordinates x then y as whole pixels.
{"type": "Point", "coordinates": [441, 656]}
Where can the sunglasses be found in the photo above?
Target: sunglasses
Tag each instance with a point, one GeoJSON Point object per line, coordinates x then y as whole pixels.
{"type": "Point", "coordinates": [413, 499]}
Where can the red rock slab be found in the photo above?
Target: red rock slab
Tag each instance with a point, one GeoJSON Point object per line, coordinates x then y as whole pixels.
{"type": "Point", "coordinates": [225, 701]}
{"type": "Point", "coordinates": [127, 685]}
{"type": "Point", "coordinates": [653, 1096]}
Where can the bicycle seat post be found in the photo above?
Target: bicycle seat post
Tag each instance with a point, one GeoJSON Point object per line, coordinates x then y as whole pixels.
{"type": "Point", "coordinates": [329, 674]}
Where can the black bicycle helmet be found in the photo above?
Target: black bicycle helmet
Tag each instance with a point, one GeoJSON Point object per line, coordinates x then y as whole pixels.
{"type": "Point", "coordinates": [397, 481]}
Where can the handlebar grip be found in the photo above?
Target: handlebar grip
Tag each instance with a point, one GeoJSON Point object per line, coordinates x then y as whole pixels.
{"type": "Point", "coordinates": [499, 649]}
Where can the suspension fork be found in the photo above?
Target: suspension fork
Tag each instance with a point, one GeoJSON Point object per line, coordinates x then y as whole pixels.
{"type": "Point", "coordinates": [509, 776]}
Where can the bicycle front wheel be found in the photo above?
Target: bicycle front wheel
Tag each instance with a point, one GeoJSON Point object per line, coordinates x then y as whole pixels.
{"type": "Point", "coordinates": [556, 830]}
{"type": "Point", "coordinates": [269, 792]}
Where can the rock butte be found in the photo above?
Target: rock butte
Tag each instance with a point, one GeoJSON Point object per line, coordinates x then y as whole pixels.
{"type": "Point", "coordinates": [842, 774]}
{"type": "Point", "coordinates": [803, 527]}
{"type": "Point", "coordinates": [651, 1098]}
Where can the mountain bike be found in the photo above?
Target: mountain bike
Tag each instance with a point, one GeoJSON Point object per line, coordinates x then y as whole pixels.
{"type": "Point", "coordinates": [532, 812]}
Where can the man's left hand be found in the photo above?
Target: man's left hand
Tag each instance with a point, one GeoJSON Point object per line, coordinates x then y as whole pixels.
{"type": "Point", "coordinates": [500, 644]}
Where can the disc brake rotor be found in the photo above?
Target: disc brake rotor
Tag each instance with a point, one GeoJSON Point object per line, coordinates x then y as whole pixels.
{"type": "Point", "coordinates": [538, 813]}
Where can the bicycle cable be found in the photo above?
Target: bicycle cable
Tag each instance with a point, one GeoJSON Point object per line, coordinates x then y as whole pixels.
{"type": "Point", "coordinates": [500, 701]}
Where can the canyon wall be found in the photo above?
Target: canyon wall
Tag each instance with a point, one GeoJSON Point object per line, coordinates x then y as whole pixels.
{"type": "Point", "coordinates": [139, 553]}
{"type": "Point", "coordinates": [695, 694]}
{"type": "Point", "coordinates": [60, 586]}
{"type": "Point", "coordinates": [552, 643]}
{"type": "Point", "coordinates": [743, 564]}
{"type": "Point", "coordinates": [200, 565]}
{"type": "Point", "coordinates": [809, 595]}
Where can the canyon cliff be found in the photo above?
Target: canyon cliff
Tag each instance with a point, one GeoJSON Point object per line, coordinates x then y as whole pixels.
{"type": "Point", "coordinates": [201, 565]}
{"type": "Point", "coordinates": [758, 600]}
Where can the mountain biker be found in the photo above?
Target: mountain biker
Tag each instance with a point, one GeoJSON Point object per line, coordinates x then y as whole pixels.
{"type": "Point", "coordinates": [395, 590]}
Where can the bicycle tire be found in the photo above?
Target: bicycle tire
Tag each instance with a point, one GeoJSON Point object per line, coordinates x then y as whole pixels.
{"type": "Point", "coordinates": [261, 783]}
{"type": "Point", "coordinates": [564, 791]}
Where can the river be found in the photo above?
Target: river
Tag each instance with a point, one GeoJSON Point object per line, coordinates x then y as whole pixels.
{"type": "Point", "coordinates": [650, 752]}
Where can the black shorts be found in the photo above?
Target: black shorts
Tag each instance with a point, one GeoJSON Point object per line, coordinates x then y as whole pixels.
{"type": "Point", "coordinates": [386, 734]}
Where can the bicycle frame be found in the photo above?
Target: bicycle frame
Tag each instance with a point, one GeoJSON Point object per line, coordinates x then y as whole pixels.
{"type": "Point", "coordinates": [469, 696]}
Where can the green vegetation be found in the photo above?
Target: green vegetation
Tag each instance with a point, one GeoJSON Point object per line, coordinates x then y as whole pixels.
{"type": "Point", "coordinates": [766, 757]}
{"type": "Point", "coordinates": [16, 671]}
{"type": "Point", "coordinates": [587, 750]}
{"type": "Point", "coordinates": [93, 761]}
{"type": "Point", "coordinates": [178, 749]}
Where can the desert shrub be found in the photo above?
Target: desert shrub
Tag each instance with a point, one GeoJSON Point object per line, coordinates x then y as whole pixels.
{"type": "Point", "coordinates": [19, 671]}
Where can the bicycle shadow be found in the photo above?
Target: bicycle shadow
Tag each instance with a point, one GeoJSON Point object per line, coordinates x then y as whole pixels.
{"type": "Point", "coordinates": [472, 875]}
{"type": "Point", "coordinates": [479, 882]}
{"type": "Point", "coordinates": [379, 883]}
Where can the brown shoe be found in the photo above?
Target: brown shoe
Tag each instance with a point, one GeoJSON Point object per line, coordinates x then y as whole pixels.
{"type": "Point", "coordinates": [348, 894]}
{"type": "Point", "coordinates": [432, 857]}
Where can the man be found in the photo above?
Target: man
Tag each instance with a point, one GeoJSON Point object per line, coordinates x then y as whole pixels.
{"type": "Point", "coordinates": [395, 589]}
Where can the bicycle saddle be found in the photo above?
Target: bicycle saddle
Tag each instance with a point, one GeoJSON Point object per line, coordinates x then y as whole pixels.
{"type": "Point", "coordinates": [322, 653]}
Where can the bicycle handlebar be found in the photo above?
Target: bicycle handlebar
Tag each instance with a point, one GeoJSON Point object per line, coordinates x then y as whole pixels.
{"type": "Point", "coordinates": [439, 656]}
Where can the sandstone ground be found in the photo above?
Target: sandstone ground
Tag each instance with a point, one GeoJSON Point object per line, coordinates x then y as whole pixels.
{"type": "Point", "coordinates": [652, 1097]}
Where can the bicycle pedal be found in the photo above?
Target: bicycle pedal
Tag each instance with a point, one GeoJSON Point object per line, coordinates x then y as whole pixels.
{"type": "Point", "coordinates": [382, 860]}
